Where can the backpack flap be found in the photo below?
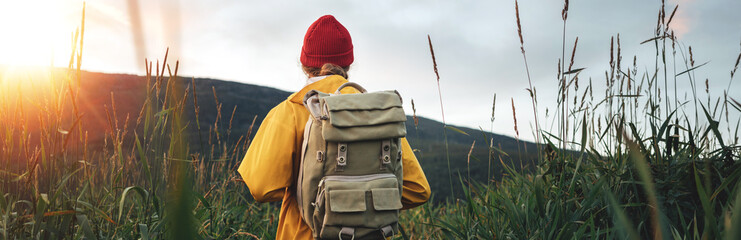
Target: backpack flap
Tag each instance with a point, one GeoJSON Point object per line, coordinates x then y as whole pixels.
{"type": "Point", "coordinates": [361, 117]}
{"type": "Point", "coordinates": [386, 199]}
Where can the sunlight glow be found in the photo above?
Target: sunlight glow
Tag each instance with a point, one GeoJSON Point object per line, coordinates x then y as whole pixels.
{"type": "Point", "coordinates": [37, 32]}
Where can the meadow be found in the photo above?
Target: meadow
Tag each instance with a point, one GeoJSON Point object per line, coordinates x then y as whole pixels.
{"type": "Point", "coordinates": [629, 161]}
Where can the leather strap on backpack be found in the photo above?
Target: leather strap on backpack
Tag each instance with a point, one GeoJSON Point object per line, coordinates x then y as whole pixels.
{"type": "Point", "coordinates": [350, 84]}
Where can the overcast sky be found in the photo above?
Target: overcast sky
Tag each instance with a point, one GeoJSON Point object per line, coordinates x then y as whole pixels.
{"type": "Point", "coordinates": [475, 42]}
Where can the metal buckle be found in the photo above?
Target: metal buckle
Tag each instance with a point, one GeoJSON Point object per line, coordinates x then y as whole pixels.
{"type": "Point", "coordinates": [346, 231]}
{"type": "Point", "coordinates": [387, 231]}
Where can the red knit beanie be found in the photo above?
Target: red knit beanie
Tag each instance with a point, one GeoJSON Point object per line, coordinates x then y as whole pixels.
{"type": "Point", "coordinates": [327, 41]}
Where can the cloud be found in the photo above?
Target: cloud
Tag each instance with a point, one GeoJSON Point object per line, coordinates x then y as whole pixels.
{"type": "Point", "coordinates": [680, 24]}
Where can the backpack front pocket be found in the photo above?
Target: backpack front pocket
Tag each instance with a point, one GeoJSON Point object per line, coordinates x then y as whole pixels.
{"type": "Point", "coordinates": [365, 204]}
{"type": "Point", "coordinates": [347, 201]}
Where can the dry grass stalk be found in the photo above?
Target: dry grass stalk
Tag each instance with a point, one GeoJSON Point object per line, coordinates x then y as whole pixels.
{"type": "Point", "coordinates": [707, 86]}
{"type": "Point", "coordinates": [470, 151]}
{"type": "Point", "coordinates": [244, 234]}
{"type": "Point", "coordinates": [249, 133]}
{"type": "Point", "coordinates": [663, 12]}
{"type": "Point", "coordinates": [735, 66]}
{"type": "Point", "coordinates": [434, 66]}
{"type": "Point", "coordinates": [493, 107]}
{"type": "Point", "coordinates": [468, 162]}
{"type": "Point", "coordinates": [514, 116]}
{"type": "Point", "coordinates": [531, 89]}
{"type": "Point", "coordinates": [442, 112]}
{"type": "Point", "coordinates": [231, 119]}
{"type": "Point", "coordinates": [573, 52]}
{"type": "Point", "coordinates": [671, 17]}
{"type": "Point", "coordinates": [491, 137]}
{"type": "Point", "coordinates": [612, 56]}
{"type": "Point", "coordinates": [414, 115]}
{"type": "Point", "coordinates": [725, 105]}
{"type": "Point", "coordinates": [519, 27]}
{"type": "Point", "coordinates": [434, 62]}
{"type": "Point", "coordinates": [565, 11]}
{"type": "Point", "coordinates": [218, 117]}
{"type": "Point", "coordinates": [196, 108]}
{"type": "Point", "coordinates": [619, 56]}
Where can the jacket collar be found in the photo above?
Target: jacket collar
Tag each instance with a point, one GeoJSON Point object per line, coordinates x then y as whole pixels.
{"type": "Point", "coordinates": [327, 85]}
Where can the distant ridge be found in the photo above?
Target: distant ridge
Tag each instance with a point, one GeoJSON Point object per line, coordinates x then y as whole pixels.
{"type": "Point", "coordinates": [248, 102]}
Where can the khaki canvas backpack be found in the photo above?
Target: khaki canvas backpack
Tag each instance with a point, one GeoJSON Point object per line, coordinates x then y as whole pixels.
{"type": "Point", "coordinates": [350, 177]}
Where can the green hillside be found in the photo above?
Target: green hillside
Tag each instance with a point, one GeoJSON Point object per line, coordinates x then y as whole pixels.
{"type": "Point", "coordinates": [427, 138]}
{"type": "Point", "coordinates": [237, 104]}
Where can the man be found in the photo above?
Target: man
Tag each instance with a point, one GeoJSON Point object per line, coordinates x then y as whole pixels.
{"type": "Point", "coordinates": [271, 164]}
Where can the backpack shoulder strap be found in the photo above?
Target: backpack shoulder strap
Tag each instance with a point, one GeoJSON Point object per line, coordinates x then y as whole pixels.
{"type": "Point", "coordinates": [311, 103]}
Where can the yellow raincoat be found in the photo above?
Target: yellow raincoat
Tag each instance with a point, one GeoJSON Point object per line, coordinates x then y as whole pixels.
{"type": "Point", "coordinates": [271, 164]}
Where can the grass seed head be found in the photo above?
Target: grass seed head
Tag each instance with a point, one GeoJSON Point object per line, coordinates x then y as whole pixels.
{"type": "Point", "coordinates": [573, 52]}
{"type": "Point", "coordinates": [735, 66]}
{"type": "Point", "coordinates": [519, 27]}
{"type": "Point", "coordinates": [671, 17]}
{"type": "Point", "coordinates": [414, 115]}
{"type": "Point", "coordinates": [514, 116]}
{"type": "Point", "coordinates": [662, 14]}
{"type": "Point", "coordinates": [565, 11]}
{"type": "Point", "coordinates": [619, 56]}
{"type": "Point", "coordinates": [470, 151]}
{"type": "Point", "coordinates": [434, 62]}
{"type": "Point", "coordinates": [493, 107]}
{"type": "Point", "coordinates": [612, 41]}
{"type": "Point", "coordinates": [658, 24]}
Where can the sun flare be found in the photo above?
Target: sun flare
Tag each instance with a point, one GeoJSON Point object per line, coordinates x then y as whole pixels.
{"type": "Point", "coordinates": [37, 33]}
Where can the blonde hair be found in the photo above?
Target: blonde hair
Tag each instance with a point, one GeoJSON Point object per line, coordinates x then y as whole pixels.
{"type": "Point", "coordinates": [326, 69]}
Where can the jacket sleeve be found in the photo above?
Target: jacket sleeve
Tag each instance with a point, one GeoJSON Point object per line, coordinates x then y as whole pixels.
{"type": "Point", "coordinates": [267, 166]}
{"type": "Point", "coordinates": [416, 190]}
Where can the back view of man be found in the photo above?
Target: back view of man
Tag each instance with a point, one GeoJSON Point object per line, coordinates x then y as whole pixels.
{"type": "Point", "coordinates": [270, 167]}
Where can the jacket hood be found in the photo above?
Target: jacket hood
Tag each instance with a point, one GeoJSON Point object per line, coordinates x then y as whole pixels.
{"type": "Point", "coordinates": [326, 85]}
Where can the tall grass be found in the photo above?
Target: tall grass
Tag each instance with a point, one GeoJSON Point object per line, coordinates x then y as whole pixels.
{"type": "Point", "coordinates": [442, 113]}
{"type": "Point", "coordinates": [142, 180]}
{"type": "Point", "coordinates": [666, 176]}
{"type": "Point", "coordinates": [606, 172]}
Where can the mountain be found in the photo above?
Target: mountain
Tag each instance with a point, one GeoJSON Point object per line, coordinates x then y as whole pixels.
{"type": "Point", "coordinates": [428, 140]}
{"type": "Point", "coordinates": [229, 109]}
